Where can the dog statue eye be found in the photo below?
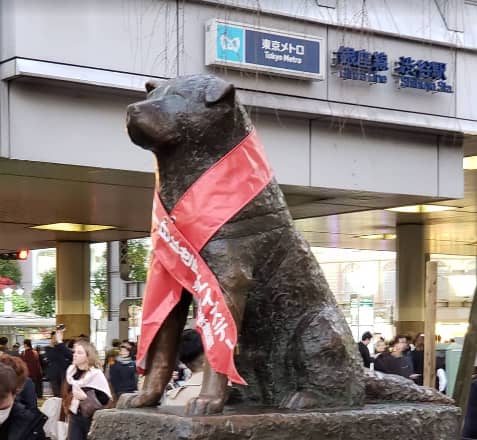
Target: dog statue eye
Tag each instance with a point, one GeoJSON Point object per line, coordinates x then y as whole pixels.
{"type": "Point", "coordinates": [173, 97]}
{"type": "Point", "coordinates": [168, 98]}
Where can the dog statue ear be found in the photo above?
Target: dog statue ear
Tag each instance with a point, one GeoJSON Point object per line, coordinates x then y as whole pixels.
{"type": "Point", "coordinates": [151, 85]}
{"type": "Point", "coordinates": [219, 91]}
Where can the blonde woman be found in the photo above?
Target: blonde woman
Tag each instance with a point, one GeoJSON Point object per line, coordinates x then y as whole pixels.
{"type": "Point", "coordinates": [88, 389]}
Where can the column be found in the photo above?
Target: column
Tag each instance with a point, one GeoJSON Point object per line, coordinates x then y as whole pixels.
{"type": "Point", "coordinates": [115, 325]}
{"type": "Point", "coordinates": [410, 279]}
{"type": "Point", "coordinates": [73, 288]}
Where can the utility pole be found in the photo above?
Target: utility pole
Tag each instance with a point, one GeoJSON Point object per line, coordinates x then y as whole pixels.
{"type": "Point", "coordinates": [430, 325]}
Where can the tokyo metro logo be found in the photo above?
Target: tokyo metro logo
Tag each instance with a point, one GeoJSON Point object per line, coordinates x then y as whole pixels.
{"type": "Point", "coordinates": [230, 43]}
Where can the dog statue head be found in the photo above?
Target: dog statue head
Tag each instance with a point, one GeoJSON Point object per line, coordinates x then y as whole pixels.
{"type": "Point", "coordinates": [195, 110]}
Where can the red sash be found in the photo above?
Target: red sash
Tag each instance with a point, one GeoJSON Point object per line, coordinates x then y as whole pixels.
{"type": "Point", "coordinates": [177, 239]}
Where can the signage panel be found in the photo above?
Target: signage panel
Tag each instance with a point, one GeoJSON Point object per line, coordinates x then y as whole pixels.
{"type": "Point", "coordinates": [362, 65]}
{"type": "Point", "coordinates": [422, 74]}
{"type": "Point", "coordinates": [247, 47]}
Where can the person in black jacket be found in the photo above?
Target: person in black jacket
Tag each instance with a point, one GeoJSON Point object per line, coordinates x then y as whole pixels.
{"type": "Point", "coordinates": [16, 421]}
{"type": "Point", "coordinates": [122, 373]}
{"type": "Point", "coordinates": [417, 356]}
{"type": "Point", "coordinates": [59, 357]}
{"type": "Point", "coordinates": [363, 348]}
{"type": "Point", "coordinates": [469, 430]}
{"type": "Point", "coordinates": [396, 362]}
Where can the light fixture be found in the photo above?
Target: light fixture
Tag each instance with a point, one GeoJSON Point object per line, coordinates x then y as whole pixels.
{"type": "Point", "coordinates": [463, 284]}
{"type": "Point", "coordinates": [422, 209]}
{"type": "Point", "coordinates": [470, 163]}
{"type": "Point", "coordinates": [7, 291]}
{"type": "Point", "coordinates": [72, 227]}
{"type": "Point", "coordinates": [378, 236]}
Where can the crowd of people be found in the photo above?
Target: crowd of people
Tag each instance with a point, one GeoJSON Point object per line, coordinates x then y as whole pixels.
{"type": "Point", "coordinates": [80, 382]}
{"type": "Point", "coordinates": [83, 384]}
{"type": "Point", "coordinates": [402, 357]}
{"type": "Point", "coordinates": [75, 374]}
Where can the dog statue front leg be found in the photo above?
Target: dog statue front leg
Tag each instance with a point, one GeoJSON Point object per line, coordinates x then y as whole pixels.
{"type": "Point", "coordinates": [212, 395]}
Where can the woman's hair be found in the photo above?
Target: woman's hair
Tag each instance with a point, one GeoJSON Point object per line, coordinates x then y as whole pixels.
{"type": "Point", "coordinates": [8, 380]}
{"type": "Point", "coordinates": [91, 353]}
{"type": "Point", "coordinates": [419, 341]}
{"type": "Point", "coordinates": [18, 366]}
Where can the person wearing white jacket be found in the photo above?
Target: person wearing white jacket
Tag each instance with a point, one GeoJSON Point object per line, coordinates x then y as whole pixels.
{"type": "Point", "coordinates": [84, 375]}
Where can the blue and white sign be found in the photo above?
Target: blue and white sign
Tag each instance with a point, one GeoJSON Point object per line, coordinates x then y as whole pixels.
{"type": "Point", "coordinates": [360, 65]}
{"type": "Point", "coordinates": [422, 74]}
{"type": "Point", "coordinates": [230, 43]}
{"type": "Point", "coordinates": [372, 67]}
{"type": "Point", "coordinates": [247, 47]}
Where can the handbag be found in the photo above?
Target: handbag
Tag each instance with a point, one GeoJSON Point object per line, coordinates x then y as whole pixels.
{"type": "Point", "coordinates": [90, 405]}
{"type": "Point", "coordinates": [52, 409]}
{"type": "Point", "coordinates": [62, 431]}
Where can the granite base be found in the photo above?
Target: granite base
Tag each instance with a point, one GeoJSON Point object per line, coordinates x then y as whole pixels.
{"type": "Point", "coordinates": [390, 421]}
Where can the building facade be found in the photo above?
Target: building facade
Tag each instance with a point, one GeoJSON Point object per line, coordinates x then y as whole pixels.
{"type": "Point", "coordinates": [362, 106]}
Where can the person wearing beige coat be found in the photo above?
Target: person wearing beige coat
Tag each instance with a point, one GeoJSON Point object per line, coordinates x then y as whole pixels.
{"type": "Point", "coordinates": [191, 353]}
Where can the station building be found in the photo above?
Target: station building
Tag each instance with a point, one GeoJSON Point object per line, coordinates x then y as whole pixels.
{"type": "Point", "coordinates": [362, 107]}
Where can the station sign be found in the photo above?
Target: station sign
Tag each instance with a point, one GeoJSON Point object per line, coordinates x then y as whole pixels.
{"type": "Point", "coordinates": [372, 67]}
{"type": "Point", "coordinates": [360, 65]}
{"type": "Point", "coordinates": [421, 74]}
{"type": "Point", "coordinates": [247, 47]}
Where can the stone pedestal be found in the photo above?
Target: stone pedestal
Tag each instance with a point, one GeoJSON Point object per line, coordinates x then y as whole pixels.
{"type": "Point", "coordinates": [393, 421]}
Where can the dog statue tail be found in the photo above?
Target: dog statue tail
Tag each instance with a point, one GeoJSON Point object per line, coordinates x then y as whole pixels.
{"type": "Point", "coordinates": [385, 387]}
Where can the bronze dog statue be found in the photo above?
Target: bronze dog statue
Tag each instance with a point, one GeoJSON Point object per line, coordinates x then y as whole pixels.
{"type": "Point", "coordinates": [296, 349]}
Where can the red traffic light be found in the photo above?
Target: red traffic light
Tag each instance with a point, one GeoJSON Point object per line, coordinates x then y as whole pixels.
{"type": "Point", "coordinates": [22, 254]}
